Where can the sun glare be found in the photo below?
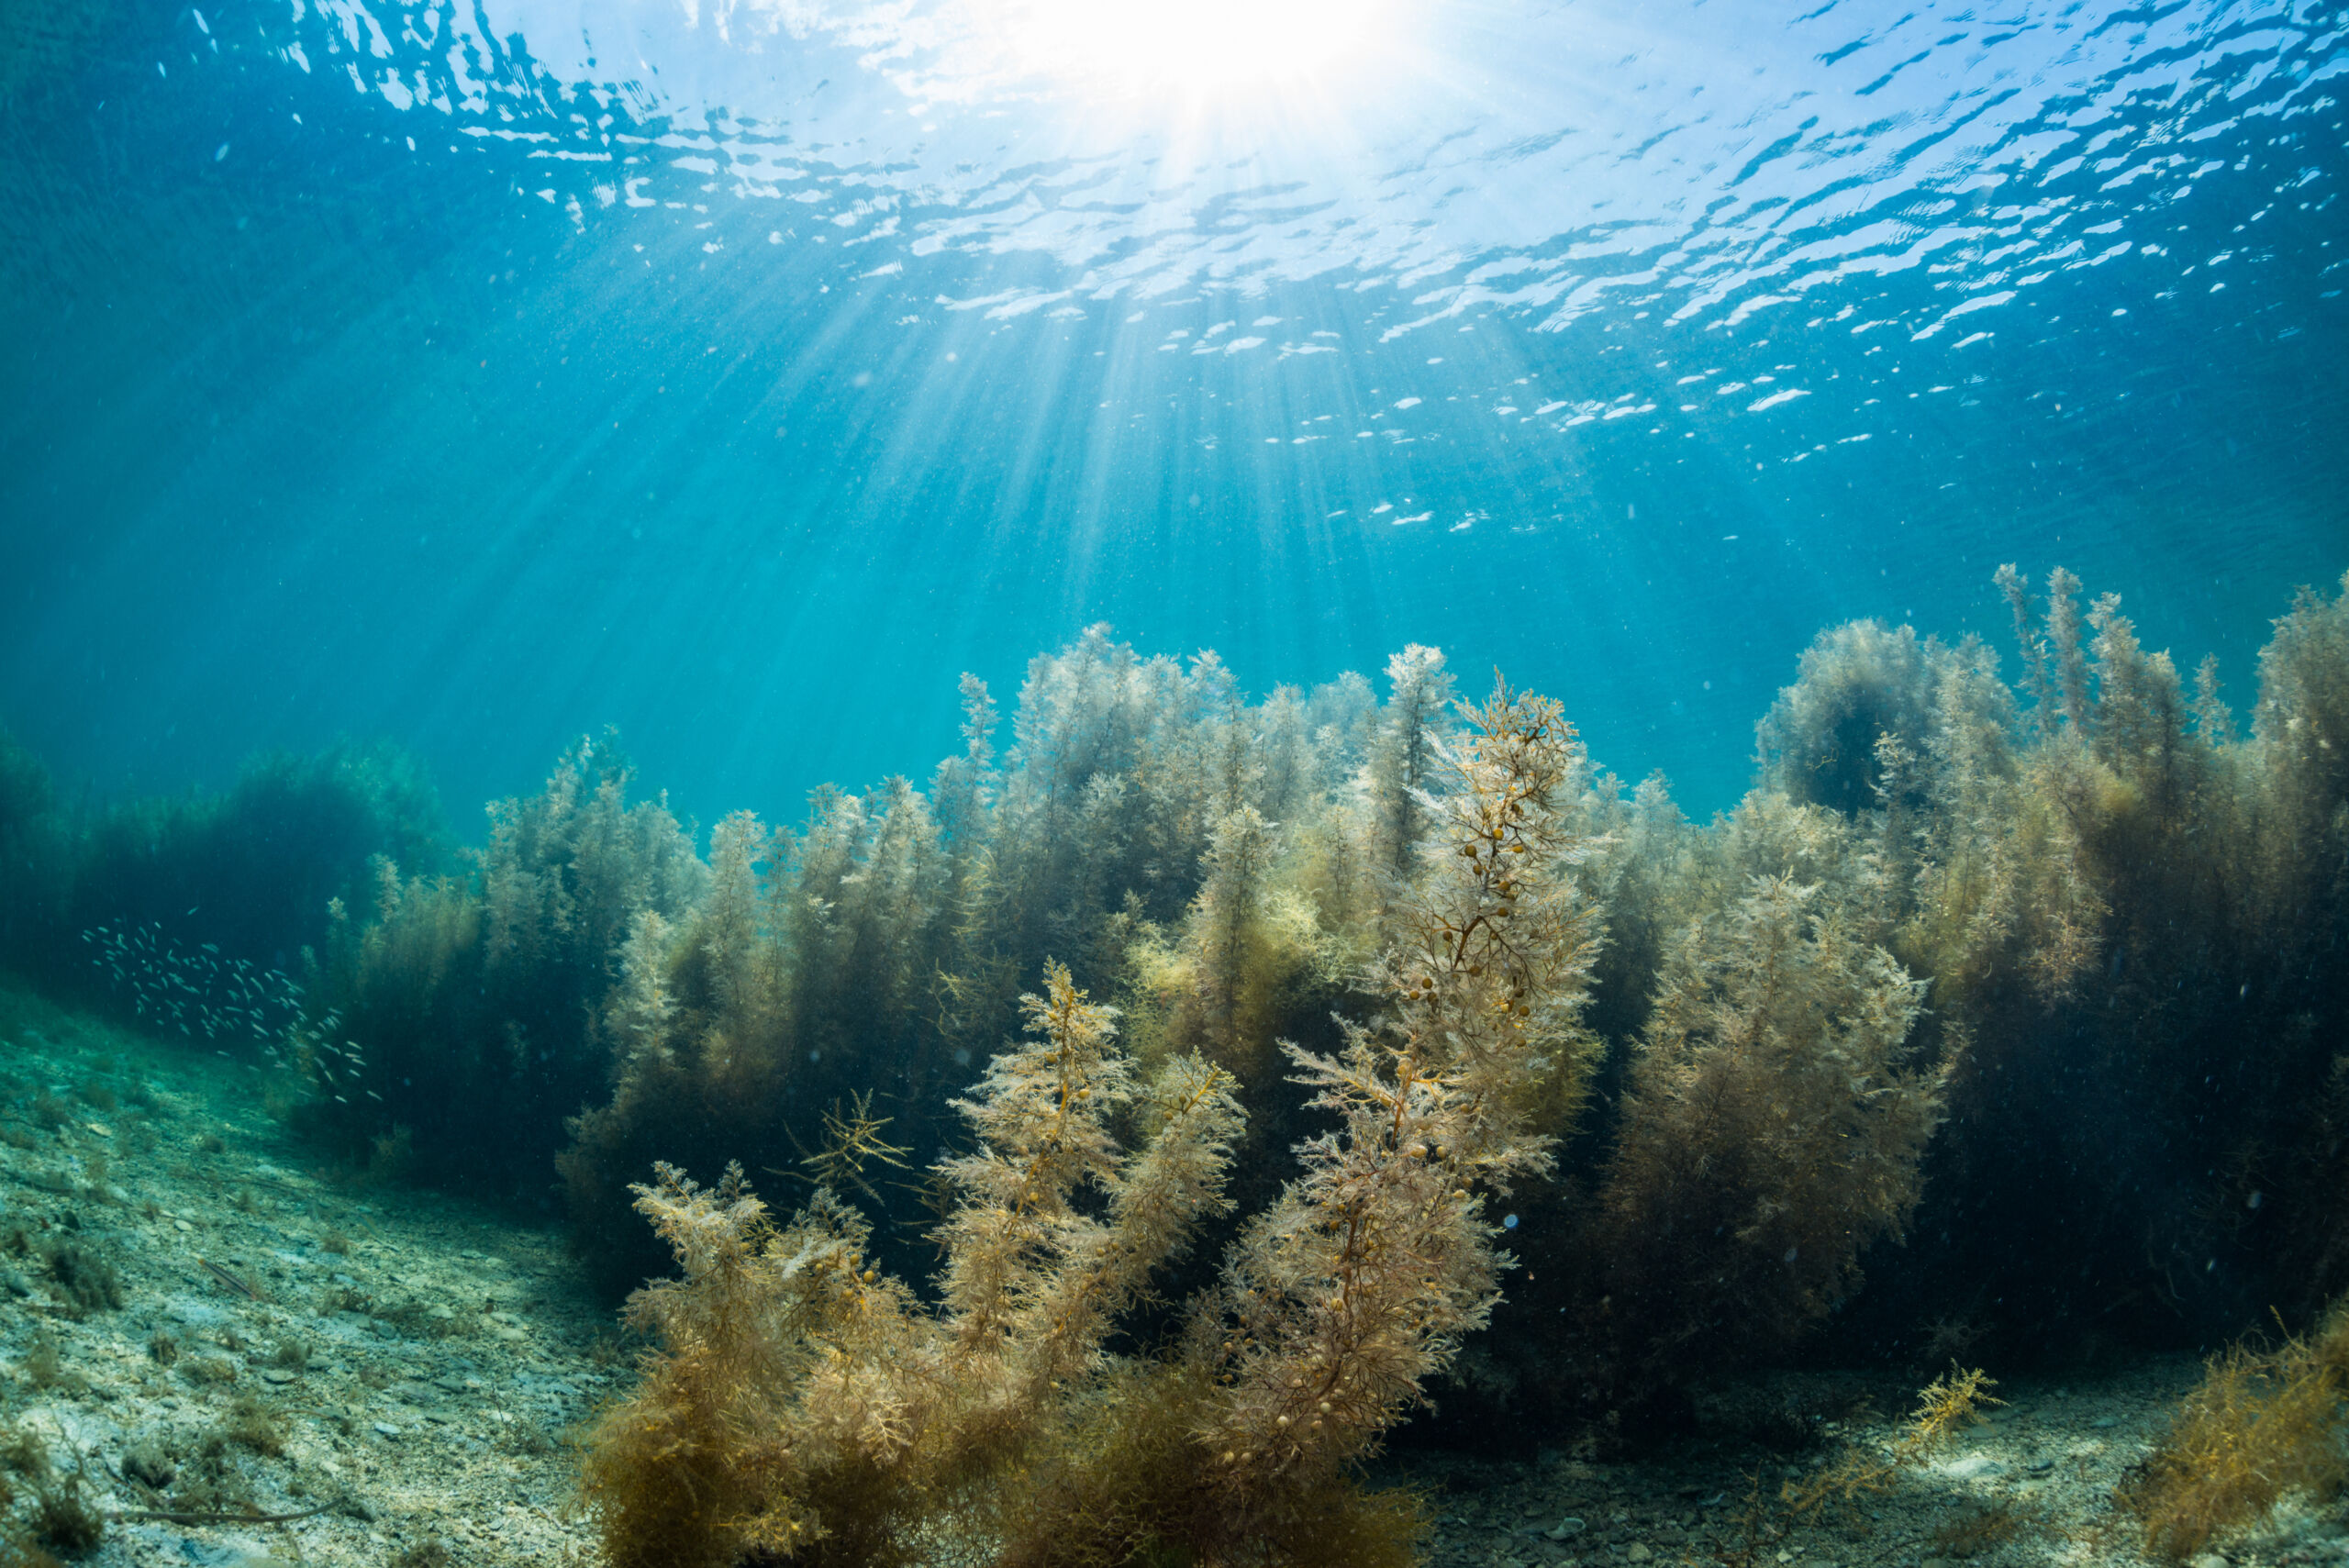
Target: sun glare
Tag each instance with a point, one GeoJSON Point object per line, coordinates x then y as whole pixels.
{"type": "Point", "coordinates": [1185, 46]}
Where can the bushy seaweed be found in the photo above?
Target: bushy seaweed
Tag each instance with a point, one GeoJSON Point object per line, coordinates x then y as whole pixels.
{"type": "Point", "coordinates": [1861, 689]}
{"type": "Point", "coordinates": [250, 869]}
{"type": "Point", "coordinates": [456, 1028]}
{"type": "Point", "coordinates": [1967, 925]}
{"type": "Point", "coordinates": [84, 1279]}
{"type": "Point", "coordinates": [1773, 1129]}
{"type": "Point", "coordinates": [1130, 831]}
{"type": "Point", "coordinates": [1946, 1406]}
{"type": "Point", "coordinates": [33, 852]}
{"type": "Point", "coordinates": [2263, 1424]}
{"type": "Point", "coordinates": [804, 1405]}
{"type": "Point", "coordinates": [2136, 919]}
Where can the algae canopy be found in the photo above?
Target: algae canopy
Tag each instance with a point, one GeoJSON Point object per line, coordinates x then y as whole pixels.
{"type": "Point", "coordinates": [1143, 765]}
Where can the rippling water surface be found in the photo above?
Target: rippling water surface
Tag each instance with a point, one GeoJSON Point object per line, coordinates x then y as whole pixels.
{"type": "Point", "coordinates": [738, 373]}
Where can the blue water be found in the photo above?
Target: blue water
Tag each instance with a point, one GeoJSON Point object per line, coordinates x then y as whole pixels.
{"type": "Point", "coordinates": [739, 373]}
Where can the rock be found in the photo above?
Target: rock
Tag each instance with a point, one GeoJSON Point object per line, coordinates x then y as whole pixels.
{"type": "Point", "coordinates": [1637, 1553]}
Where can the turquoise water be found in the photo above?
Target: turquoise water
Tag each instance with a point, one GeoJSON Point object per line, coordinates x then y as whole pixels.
{"type": "Point", "coordinates": [1216, 1053]}
{"type": "Point", "coordinates": [738, 374]}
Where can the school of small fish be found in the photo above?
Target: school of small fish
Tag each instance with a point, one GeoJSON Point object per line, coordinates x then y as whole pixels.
{"type": "Point", "coordinates": [228, 1000]}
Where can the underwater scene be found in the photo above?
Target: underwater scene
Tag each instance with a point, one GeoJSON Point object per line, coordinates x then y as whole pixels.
{"type": "Point", "coordinates": [1172, 784]}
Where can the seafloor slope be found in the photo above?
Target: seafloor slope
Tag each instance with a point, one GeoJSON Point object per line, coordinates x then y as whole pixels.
{"type": "Point", "coordinates": [402, 1371]}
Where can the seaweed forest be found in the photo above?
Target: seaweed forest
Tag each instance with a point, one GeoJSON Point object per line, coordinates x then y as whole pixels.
{"type": "Point", "coordinates": [1091, 1152]}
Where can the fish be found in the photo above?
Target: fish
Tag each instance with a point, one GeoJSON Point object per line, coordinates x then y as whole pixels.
{"type": "Point", "coordinates": [225, 1277]}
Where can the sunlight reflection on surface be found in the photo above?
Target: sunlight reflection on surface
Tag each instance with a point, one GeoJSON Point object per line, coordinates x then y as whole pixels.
{"type": "Point", "coordinates": [1197, 47]}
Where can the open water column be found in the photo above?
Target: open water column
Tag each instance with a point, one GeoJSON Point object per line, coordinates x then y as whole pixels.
{"type": "Point", "coordinates": [1033, 782]}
